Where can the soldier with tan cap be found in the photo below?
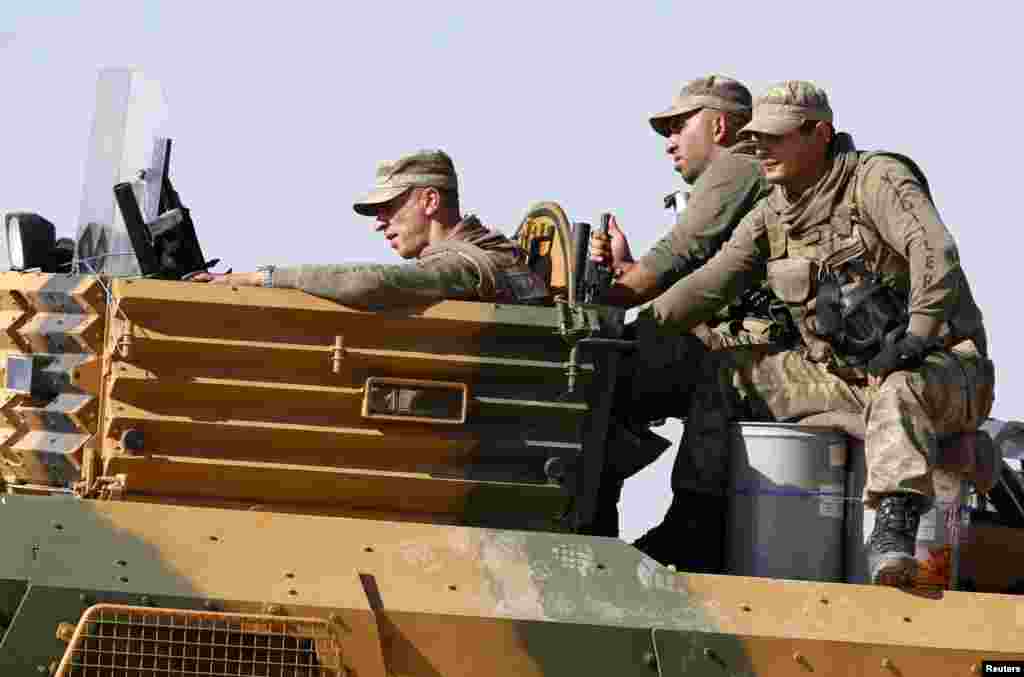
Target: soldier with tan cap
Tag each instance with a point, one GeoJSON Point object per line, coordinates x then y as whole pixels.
{"type": "Point", "coordinates": [415, 202]}
{"type": "Point", "coordinates": [854, 246]}
{"type": "Point", "coordinates": [701, 127]}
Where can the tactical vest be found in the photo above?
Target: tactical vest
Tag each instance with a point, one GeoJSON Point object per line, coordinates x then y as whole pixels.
{"type": "Point", "coordinates": [518, 285]}
{"type": "Point", "coordinates": [835, 249]}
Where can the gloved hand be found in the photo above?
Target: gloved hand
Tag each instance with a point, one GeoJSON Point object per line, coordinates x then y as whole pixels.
{"type": "Point", "coordinates": [906, 352]}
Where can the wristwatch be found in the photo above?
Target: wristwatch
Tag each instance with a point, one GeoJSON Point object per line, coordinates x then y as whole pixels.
{"type": "Point", "coordinates": [268, 275]}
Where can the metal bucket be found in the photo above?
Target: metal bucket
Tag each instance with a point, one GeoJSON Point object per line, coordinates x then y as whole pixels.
{"type": "Point", "coordinates": [857, 532]}
{"type": "Point", "coordinates": [786, 508]}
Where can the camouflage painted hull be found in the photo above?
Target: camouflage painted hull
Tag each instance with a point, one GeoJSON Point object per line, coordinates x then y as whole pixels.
{"type": "Point", "coordinates": [204, 449]}
{"type": "Point", "coordinates": [427, 600]}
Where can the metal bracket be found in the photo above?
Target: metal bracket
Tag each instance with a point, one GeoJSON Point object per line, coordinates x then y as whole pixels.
{"type": "Point", "coordinates": [125, 340]}
{"type": "Point", "coordinates": [652, 658]}
{"type": "Point", "coordinates": [338, 353]}
{"type": "Point", "coordinates": [105, 488]}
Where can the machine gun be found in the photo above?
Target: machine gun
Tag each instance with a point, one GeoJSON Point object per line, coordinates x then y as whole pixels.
{"type": "Point", "coordinates": [167, 246]}
{"type": "Point", "coordinates": [597, 277]}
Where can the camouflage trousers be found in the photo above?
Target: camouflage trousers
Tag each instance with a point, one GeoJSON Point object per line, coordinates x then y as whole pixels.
{"type": "Point", "coordinates": [905, 416]}
{"type": "Point", "coordinates": [752, 331]}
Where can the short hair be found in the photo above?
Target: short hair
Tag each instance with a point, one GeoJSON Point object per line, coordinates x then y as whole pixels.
{"type": "Point", "coordinates": [734, 122]}
{"type": "Point", "coordinates": [449, 197]}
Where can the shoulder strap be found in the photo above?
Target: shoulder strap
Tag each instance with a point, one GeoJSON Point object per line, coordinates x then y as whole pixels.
{"type": "Point", "coordinates": [914, 168]}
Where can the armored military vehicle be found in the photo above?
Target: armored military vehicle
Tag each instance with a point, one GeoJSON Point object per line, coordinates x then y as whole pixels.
{"type": "Point", "coordinates": [215, 481]}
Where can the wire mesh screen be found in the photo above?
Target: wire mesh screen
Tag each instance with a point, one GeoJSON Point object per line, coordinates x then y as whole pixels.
{"type": "Point", "coordinates": [126, 641]}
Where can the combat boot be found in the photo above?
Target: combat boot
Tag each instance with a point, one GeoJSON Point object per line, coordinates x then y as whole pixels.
{"type": "Point", "coordinates": [691, 537]}
{"type": "Point", "coordinates": [891, 546]}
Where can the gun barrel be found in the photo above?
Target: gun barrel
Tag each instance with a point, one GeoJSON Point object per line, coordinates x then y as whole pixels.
{"type": "Point", "coordinates": [581, 264]}
{"type": "Point", "coordinates": [136, 227]}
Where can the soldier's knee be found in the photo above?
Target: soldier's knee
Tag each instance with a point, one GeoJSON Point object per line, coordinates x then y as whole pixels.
{"type": "Point", "coordinates": [896, 384]}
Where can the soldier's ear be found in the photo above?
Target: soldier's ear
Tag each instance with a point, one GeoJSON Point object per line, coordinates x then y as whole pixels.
{"type": "Point", "coordinates": [431, 200]}
{"type": "Point", "coordinates": [719, 128]}
{"type": "Point", "coordinates": [823, 130]}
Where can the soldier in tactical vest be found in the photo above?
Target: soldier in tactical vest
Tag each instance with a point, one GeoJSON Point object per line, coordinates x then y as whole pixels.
{"type": "Point", "coordinates": [701, 128]}
{"type": "Point", "coordinates": [852, 242]}
{"type": "Point", "coordinates": [416, 205]}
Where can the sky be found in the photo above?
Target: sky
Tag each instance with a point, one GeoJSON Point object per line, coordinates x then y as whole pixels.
{"type": "Point", "coordinates": [280, 113]}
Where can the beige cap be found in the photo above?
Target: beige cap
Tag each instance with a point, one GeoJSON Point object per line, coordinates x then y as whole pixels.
{"type": "Point", "coordinates": [714, 91]}
{"type": "Point", "coordinates": [423, 168]}
{"type": "Point", "coordinates": [786, 106]}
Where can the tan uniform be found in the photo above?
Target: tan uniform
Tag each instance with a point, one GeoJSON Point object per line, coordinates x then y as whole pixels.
{"type": "Point", "coordinates": [472, 264]}
{"type": "Point", "coordinates": [874, 210]}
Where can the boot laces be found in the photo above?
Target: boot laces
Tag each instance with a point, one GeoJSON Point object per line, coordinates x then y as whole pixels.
{"type": "Point", "coordinates": [896, 522]}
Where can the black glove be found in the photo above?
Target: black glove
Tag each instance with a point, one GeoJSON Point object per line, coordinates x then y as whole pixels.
{"type": "Point", "coordinates": [906, 352]}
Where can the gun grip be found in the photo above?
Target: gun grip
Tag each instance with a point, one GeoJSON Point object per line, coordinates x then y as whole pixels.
{"type": "Point", "coordinates": [599, 276]}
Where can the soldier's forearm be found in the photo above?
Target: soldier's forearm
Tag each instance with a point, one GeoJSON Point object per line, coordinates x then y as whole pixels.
{"type": "Point", "coordinates": [635, 285]}
{"type": "Point", "coordinates": [696, 297]}
{"type": "Point", "coordinates": [363, 286]}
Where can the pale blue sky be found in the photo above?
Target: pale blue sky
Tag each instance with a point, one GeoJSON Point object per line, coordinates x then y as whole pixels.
{"type": "Point", "coordinates": [280, 113]}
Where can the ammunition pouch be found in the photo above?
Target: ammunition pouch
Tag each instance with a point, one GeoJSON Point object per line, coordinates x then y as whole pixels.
{"type": "Point", "coordinates": [761, 303]}
{"type": "Point", "coordinates": [792, 280]}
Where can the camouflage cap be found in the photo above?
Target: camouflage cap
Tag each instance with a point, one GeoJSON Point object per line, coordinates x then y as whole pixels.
{"type": "Point", "coordinates": [422, 168]}
{"type": "Point", "coordinates": [786, 106]}
{"type": "Point", "coordinates": [714, 91]}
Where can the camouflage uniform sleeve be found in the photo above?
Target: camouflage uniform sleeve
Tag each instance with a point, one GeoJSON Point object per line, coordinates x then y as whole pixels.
{"type": "Point", "coordinates": [738, 265]}
{"type": "Point", "coordinates": [379, 285]}
{"type": "Point", "coordinates": [720, 198]}
{"type": "Point", "coordinates": [662, 261]}
{"type": "Point", "coordinates": [905, 217]}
